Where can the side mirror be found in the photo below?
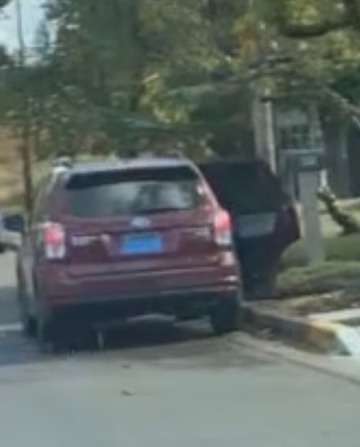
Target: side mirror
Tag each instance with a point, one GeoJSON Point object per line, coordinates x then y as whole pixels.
{"type": "Point", "coordinates": [14, 223]}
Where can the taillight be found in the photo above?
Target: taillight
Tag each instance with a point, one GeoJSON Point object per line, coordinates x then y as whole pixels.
{"type": "Point", "coordinates": [54, 241]}
{"type": "Point", "coordinates": [223, 229]}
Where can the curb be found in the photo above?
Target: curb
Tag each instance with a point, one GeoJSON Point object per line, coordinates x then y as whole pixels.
{"type": "Point", "coordinates": [317, 335]}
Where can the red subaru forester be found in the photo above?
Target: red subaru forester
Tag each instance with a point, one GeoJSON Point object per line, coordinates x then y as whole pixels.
{"type": "Point", "coordinates": [122, 238]}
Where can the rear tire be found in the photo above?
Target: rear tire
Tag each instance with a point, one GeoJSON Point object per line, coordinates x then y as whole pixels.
{"type": "Point", "coordinates": [225, 317]}
{"type": "Point", "coordinates": [29, 326]}
{"type": "Point", "coordinates": [46, 335]}
{"type": "Point", "coordinates": [27, 321]}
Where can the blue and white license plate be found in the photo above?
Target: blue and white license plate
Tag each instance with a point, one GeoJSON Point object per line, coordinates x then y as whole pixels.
{"type": "Point", "coordinates": [142, 244]}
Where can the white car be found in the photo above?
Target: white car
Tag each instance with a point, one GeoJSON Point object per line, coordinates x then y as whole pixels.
{"type": "Point", "coordinates": [2, 233]}
{"type": "Point", "coordinates": [10, 238]}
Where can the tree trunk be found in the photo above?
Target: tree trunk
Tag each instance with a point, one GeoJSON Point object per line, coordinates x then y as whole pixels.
{"type": "Point", "coordinates": [26, 161]}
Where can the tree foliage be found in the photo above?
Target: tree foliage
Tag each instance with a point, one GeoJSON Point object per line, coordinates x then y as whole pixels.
{"type": "Point", "coordinates": [324, 37]}
{"type": "Point", "coordinates": [314, 18]}
{"type": "Point", "coordinates": [4, 3]}
{"type": "Point", "coordinates": [121, 72]}
{"type": "Point", "coordinates": [125, 69]}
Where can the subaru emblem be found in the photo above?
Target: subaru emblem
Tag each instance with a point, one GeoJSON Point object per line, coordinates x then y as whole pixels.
{"type": "Point", "coordinates": [141, 222]}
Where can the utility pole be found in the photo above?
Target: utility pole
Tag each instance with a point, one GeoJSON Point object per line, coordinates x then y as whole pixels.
{"type": "Point", "coordinates": [263, 110]}
{"type": "Point", "coordinates": [311, 165]}
{"type": "Point", "coordinates": [270, 132]}
{"type": "Point", "coordinates": [25, 143]}
{"type": "Point", "coordinates": [305, 151]}
{"type": "Point", "coordinates": [263, 123]}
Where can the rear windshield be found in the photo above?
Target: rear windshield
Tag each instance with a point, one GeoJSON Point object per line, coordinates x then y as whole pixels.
{"type": "Point", "coordinates": [133, 192]}
{"type": "Point", "coordinates": [244, 187]}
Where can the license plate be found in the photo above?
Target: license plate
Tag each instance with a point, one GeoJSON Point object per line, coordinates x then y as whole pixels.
{"type": "Point", "coordinates": [256, 225]}
{"type": "Point", "coordinates": [140, 244]}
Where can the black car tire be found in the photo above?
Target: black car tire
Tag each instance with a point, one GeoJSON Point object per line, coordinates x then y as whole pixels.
{"type": "Point", "coordinates": [27, 321]}
{"type": "Point", "coordinates": [29, 326]}
{"type": "Point", "coordinates": [46, 334]}
{"type": "Point", "coordinates": [51, 336]}
{"type": "Point", "coordinates": [226, 316]}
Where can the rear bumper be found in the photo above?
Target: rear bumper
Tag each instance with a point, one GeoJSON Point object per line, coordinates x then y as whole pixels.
{"type": "Point", "coordinates": [123, 295]}
{"type": "Point", "coordinates": [102, 310]}
{"type": "Point", "coordinates": [63, 283]}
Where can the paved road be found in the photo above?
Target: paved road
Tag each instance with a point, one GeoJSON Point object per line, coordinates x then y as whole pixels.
{"type": "Point", "coordinates": [166, 386]}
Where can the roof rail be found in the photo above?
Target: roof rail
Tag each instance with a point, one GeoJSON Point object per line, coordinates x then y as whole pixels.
{"type": "Point", "coordinates": [146, 154]}
{"type": "Point", "coordinates": [176, 153]}
{"type": "Point", "coordinates": [62, 162]}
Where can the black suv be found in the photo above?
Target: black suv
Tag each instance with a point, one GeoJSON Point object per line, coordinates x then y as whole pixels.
{"type": "Point", "coordinates": [264, 218]}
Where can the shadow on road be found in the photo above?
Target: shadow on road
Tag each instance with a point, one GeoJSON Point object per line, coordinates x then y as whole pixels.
{"type": "Point", "coordinates": [154, 341]}
{"type": "Point", "coordinates": [147, 339]}
{"type": "Point", "coordinates": [8, 306]}
{"type": "Point", "coordinates": [154, 332]}
{"type": "Point", "coordinates": [190, 345]}
{"type": "Point", "coordinates": [150, 338]}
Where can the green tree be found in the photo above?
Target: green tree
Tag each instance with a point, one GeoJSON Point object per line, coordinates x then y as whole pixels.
{"type": "Point", "coordinates": [4, 3]}
{"type": "Point", "coordinates": [122, 59]}
{"type": "Point", "coordinates": [323, 37]}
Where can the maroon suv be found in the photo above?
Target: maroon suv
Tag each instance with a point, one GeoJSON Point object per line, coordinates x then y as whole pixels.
{"type": "Point", "coordinates": [118, 239]}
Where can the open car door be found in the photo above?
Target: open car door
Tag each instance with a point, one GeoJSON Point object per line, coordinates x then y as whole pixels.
{"type": "Point", "coordinates": [264, 218]}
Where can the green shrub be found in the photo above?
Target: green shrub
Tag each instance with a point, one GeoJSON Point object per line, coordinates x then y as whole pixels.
{"type": "Point", "coordinates": [321, 278]}
{"type": "Point", "coordinates": [340, 248]}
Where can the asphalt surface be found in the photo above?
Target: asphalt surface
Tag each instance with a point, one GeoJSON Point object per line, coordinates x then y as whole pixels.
{"type": "Point", "coordinates": [160, 385]}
